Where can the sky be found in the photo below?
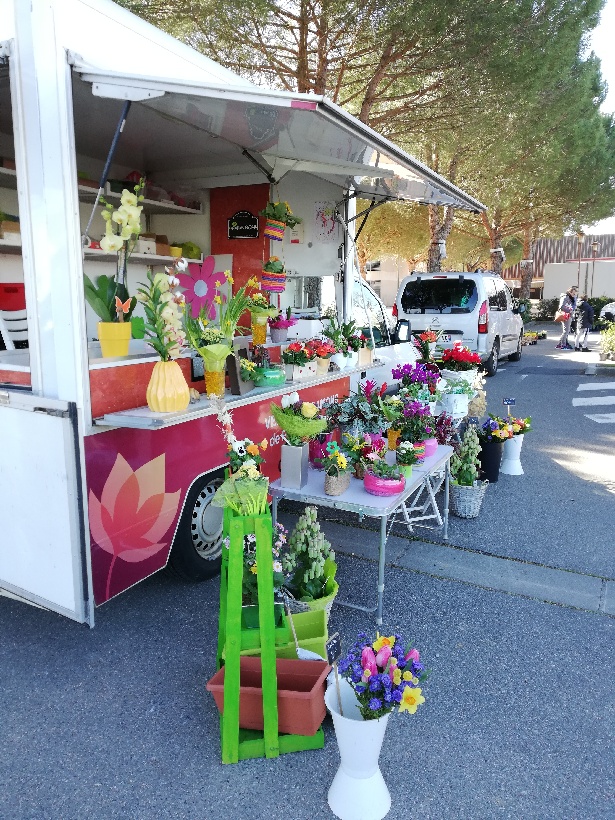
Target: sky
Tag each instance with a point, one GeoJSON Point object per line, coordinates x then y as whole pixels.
{"type": "Point", "coordinates": [602, 45]}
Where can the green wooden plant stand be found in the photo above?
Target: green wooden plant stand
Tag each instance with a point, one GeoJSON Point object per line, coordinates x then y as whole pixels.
{"type": "Point", "coordinates": [241, 744]}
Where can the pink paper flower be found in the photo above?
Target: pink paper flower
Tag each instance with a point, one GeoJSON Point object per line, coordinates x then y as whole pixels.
{"type": "Point", "coordinates": [200, 286]}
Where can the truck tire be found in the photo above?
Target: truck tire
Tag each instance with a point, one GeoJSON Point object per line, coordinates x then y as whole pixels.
{"type": "Point", "coordinates": [514, 357]}
{"type": "Point", "coordinates": [491, 365]}
{"type": "Point", "coordinates": [197, 547]}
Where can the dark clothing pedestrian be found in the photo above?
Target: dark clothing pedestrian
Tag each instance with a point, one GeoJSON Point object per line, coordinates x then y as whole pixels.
{"type": "Point", "coordinates": [584, 315]}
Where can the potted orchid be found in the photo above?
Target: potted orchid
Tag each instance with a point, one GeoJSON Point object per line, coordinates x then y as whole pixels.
{"type": "Point", "coordinates": [167, 390]}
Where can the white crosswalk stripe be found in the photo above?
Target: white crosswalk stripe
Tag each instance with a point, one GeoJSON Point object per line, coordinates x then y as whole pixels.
{"type": "Point", "coordinates": [602, 399]}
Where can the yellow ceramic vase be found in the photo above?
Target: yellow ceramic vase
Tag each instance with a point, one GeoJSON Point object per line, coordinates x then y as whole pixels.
{"type": "Point", "coordinates": [167, 391]}
{"type": "Point", "coordinates": [393, 438]}
{"type": "Point", "coordinates": [259, 330]}
{"type": "Point", "coordinates": [114, 338]}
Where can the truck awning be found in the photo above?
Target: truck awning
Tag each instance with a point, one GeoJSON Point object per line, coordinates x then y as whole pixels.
{"type": "Point", "coordinates": [281, 132]}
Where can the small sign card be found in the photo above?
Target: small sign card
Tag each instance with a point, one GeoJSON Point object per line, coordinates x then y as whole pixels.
{"type": "Point", "coordinates": [243, 225]}
{"type": "Point", "coordinates": [472, 419]}
{"type": "Point", "coordinates": [509, 402]}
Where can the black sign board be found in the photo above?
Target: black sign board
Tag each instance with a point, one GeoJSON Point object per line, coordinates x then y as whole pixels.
{"type": "Point", "coordinates": [243, 225]}
{"type": "Point", "coordinates": [508, 402]}
{"type": "Point", "coordinates": [334, 648]}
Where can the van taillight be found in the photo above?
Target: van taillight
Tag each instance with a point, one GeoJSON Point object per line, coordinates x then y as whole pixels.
{"type": "Point", "coordinates": [395, 314]}
{"type": "Point", "coordinates": [483, 318]}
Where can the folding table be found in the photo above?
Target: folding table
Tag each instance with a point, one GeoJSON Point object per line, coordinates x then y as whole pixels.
{"type": "Point", "coordinates": [416, 504]}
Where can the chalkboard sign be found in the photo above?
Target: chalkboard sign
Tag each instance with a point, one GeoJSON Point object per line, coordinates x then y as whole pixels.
{"type": "Point", "coordinates": [334, 648]}
{"type": "Point", "coordinates": [243, 225]}
{"type": "Point", "coordinates": [508, 402]}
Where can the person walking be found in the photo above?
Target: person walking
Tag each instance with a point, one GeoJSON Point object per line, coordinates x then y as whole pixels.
{"type": "Point", "coordinates": [584, 315]}
{"type": "Point", "coordinates": [567, 304]}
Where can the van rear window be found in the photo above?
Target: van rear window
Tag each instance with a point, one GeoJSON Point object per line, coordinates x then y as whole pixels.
{"type": "Point", "coordinates": [439, 296]}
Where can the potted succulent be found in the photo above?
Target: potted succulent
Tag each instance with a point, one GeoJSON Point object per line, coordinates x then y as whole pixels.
{"type": "Point", "coordinates": [337, 469]}
{"type": "Point", "coordinates": [359, 412]}
{"type": "Point", "coordinates": [382, 478]}
{"type": "Point", "coordinates": [300, 422]}
{"type": "Point", "coordinates": [466, 491]}
{"type": "Point", "coordinates": [278, 326]}
{"type": "Point", "coordinates": [309, 564]}
{"type": "Point", "coordinates": [279, 216]}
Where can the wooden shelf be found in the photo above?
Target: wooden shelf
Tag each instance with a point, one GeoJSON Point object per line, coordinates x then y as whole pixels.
{"type": "Point", "coordinates": [94, 254]}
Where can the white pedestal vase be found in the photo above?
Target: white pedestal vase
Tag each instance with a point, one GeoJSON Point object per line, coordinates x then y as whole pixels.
{"type": "Point", "coordinates": [358, 791]}
{"type": "Point", "coordinates": [511, 461]}
{"type": "Point", "coordinates": [455, 404]}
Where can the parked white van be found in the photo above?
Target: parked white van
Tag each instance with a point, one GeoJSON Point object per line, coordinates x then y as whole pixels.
{"type": "Point", "coordinates": [475, 309]}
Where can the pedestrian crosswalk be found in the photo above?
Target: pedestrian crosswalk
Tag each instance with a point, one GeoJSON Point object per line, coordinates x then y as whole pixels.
{"type": "Point", "coordinates": [603, 396]}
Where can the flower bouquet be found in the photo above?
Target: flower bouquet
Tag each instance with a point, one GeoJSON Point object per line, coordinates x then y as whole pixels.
{"type": "Point", "coordinates": [520, 426]}
{"type": "Point", "coordinates": [298, 419]}
{"type": "Point", "coordinates": [273, 277]}
{"type": "Point", "coordinates": [385, 675]}
{"type": "Point", "coordinates": [425, 343]}
{"type": "Point", "coordinates": [167, 390]}
{"type": "Point", "coordinates": [245, 490]}
{"type": "Point", "coordinates": [492, 434]}
{"type": "Point", "coordinates": [337, 467]}
{"type": "Point", "coordinates": [495, 429]}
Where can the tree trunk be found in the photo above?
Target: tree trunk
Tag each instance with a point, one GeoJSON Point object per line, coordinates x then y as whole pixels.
{"type": "Point", "coordinates": [527, 264]}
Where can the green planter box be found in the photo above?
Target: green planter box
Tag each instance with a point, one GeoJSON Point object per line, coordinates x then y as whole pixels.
{"type": "Point", "coordinates": [250, 632]}
{"type": "Point", "coordinates": [312, 634]}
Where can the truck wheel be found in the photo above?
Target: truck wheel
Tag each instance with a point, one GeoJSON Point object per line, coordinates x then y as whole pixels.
{"type": "Point", "coordinates": [514, 357]}
{"type": "Point", "coordinates": [491, 365]}
{"type": "Point", "coordinates": [197, 548]}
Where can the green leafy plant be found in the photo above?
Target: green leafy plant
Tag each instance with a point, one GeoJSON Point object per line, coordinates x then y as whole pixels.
{"type": "Point", "coordinates": [281, 212]}
{"type": "Point", "coordinates": [607, 341]}
{"type": "Point", "coordinates": [102, 296]}
{"type": "Point", "coordinates": [381, 468]}
{"type": "Point", "coordinates": [465, 463]}
{"type": "Point", "coordinates": [310, 560]}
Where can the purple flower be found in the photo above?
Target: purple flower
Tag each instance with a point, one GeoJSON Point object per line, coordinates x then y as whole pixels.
{"type": "Point", "coordinates": [396, 695]}
{"type": "Point", "coordinates": [374, 684]}
{"type": "Point", "coordinates": [375, 704]}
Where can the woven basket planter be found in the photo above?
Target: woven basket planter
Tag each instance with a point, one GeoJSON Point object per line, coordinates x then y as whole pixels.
{"type": "Point", "coordinates": [465, 501]}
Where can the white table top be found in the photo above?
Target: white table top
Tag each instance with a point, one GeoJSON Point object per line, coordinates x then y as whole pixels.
{"type": "Point", "coordinates": [355, 499]}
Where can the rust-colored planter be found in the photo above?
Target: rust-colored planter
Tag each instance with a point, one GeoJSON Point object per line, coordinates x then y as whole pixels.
{"type": "Point", "coordinates": [301, 694]}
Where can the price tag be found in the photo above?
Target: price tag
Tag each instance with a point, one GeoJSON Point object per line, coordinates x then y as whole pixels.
{"type": "Point", "coordinates": [509, 402]}
{"type": "Point", "coordinates": [334, 648]}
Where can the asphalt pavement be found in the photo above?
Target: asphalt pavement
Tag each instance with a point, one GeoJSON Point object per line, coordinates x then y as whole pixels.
{"type": "Point", "coordinates": [514, 617]}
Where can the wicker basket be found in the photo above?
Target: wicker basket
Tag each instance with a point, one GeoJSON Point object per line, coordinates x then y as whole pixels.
{"type": "Point", "coordinates": [466, 501]}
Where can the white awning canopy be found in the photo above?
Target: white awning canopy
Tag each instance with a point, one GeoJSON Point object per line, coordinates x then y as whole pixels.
{"type": "Point", "coordinates": [240, 132]}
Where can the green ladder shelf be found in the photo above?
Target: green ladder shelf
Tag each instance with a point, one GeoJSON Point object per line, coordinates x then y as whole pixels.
{"type": "Point", "coordinates": [242, 744]}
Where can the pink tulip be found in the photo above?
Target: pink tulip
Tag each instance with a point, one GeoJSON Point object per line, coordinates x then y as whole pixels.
{"type": "Point", "coordinates": [413, 655]}
{"type": "Point", "coordinates": [383, 655]}
{"type": "Point", "coordinates": [368, 660]}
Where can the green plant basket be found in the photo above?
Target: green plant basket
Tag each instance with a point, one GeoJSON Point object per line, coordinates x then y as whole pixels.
{"type": "Point", "coordinates": [311, 631]}
{"type": "Point", "coordinates": [250, 632]}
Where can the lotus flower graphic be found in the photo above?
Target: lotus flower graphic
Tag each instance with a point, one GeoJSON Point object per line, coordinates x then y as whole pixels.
{"type": "Point", "coordinates": [133, 513]}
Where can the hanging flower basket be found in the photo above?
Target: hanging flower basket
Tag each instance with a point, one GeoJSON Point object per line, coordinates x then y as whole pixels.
{"type": "Point", "coordinates": [275, 229]}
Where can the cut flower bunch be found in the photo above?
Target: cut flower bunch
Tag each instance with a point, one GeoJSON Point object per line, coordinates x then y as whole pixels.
{"type": "Point", "coordinates": [385, 675]}
{"type": "Point", "coordinates": [298, 419]}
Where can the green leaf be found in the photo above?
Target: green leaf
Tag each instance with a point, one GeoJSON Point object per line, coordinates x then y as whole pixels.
{"type": "Point", "coordinates": [138, 327]}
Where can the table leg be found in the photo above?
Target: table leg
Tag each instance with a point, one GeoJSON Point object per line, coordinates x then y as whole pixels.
{"type": "Point", "coordinates": [446, 481]}
{"type": "Point", "coordinates": [383, 541]}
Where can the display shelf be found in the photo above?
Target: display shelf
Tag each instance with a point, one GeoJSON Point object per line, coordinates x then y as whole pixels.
{"type": "Point", "coordinates": [8, 247]}
{"type": "Point", "coordinates": [95, 254]}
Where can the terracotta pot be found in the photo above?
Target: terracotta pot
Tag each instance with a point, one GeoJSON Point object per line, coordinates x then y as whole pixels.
{"type": "Point", "coordinates": [337, 484]}
{"type": "Point", "coordinates": [167, 391]}
{"type": "Point", "coordinates": [114, 338]}
{"type": "Point", "coordinates": [301, 689]}
{"type": "Point", "coordinates": [375, 485]}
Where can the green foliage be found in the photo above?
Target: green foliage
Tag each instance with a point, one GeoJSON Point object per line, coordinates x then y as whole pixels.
{"type": "Point", "coordinates": [607, 340]}
{"type": "Point", "coordinates": [101, 297]}
{"type": "Point", "coordinates": [379, 467]}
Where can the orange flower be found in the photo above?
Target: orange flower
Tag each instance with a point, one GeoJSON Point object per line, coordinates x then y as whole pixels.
{"type": "Point", "coordinates": [264, 444]}
{"type": "Point", "coordinates": [252, 449]}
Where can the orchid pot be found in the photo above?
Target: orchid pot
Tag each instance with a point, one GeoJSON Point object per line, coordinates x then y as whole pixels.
{"type": "Point", "coordinates": [114, 338]}
{"type": "Point", "coordinates": [167, 391]}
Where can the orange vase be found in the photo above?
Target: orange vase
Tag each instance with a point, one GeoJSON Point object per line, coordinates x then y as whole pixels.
{"type": "Point", "coordinates": [259, 330]}
{"type": "Point", "coordinates": [214, 382]}
{"type": "Point", "coordinates": [167, 391]}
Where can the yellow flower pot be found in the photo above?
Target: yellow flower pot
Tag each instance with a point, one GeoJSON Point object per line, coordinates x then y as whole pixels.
{"type": "Point", "coordinates": [114, 338]}
{"type": "Point", "coordinates": [176, 251]}
{"type": "Point", "coordinates": [167, 391]}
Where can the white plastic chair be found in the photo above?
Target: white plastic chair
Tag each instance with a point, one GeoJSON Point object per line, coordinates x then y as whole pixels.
{"type": "Point", "coordinates": [14, 328]}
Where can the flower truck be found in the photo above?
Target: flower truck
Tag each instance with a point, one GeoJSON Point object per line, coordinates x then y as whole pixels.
{"type": "Point", "coordinates": [98, 491]}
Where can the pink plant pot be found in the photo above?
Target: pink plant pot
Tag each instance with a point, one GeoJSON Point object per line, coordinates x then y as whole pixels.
{"type": "Point", "coordinates": [318, 449]}
{"type": "Point", "coordinates": [431, 446]}
{"type": "Point", "coordinates": [374, 485]}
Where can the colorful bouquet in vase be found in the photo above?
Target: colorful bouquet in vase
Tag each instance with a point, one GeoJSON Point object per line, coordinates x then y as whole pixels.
{"type": "Point", "coordinates": [298, 419]}
{"type": "Point", "coordinates": [385, 674]}
{"type": "Point", "coordinates": [520, 426]}
{"type": "Point", "coordinates": [495, 429]}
